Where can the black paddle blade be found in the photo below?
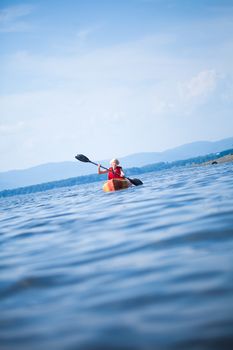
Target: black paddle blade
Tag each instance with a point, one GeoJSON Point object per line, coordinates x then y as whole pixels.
{"type": "Point", "coordinates": [136, 182]}
{"type": "Point", "coordinates": [82, 158]}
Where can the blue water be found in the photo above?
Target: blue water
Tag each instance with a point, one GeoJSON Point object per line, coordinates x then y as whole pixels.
{"type": "Point", "coordinates": [150, 267]}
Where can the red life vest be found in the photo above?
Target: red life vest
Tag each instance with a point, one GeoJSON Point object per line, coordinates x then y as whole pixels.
{"type": "Point", "coordinates": [115, 174]}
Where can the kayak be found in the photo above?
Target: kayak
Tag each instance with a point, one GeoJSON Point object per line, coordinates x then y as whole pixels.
{"type": "Point", "coordinates": [115, 185]}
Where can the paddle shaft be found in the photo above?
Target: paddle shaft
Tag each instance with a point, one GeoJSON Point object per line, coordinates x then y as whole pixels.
{"type": "Point", "coordinates": [112, 171]}
{"type": "Point", "coordinates": [84, 159]}
{"type": "Point", "coordinates": [98, 164]}
{"type": "Point", "coordinates": [108, 169]}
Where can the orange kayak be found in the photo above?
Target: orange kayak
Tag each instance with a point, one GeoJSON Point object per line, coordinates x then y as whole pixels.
{"type": "Point", "coordinates": [115, 185]}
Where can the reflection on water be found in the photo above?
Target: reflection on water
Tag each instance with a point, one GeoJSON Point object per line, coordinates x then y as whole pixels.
{"type": "Point", "coordinates": [150, 267]}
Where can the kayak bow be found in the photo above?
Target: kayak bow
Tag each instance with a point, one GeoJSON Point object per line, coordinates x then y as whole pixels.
{"type": "Point", "coordinates": [115, 185]}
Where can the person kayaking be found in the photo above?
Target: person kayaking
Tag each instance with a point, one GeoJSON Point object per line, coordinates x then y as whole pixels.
{"type": "Point", "coordinates": [114, 172]}
{"type": "Point", "coordinates": [135, 182]}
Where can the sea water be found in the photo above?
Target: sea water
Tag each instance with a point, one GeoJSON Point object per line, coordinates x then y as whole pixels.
{"type": "Point", "coordinates": [150, 267]}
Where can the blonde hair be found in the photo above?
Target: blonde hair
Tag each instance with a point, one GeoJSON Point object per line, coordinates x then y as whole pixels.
{"type": "Point", "coordinates": [114, 160]}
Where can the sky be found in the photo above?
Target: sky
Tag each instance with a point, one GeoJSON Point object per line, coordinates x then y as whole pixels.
{"type": "Point", "coordinates": [109, 78]}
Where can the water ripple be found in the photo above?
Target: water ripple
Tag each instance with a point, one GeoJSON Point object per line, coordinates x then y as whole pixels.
{"type": "Point", "coordinates": [150, 267]}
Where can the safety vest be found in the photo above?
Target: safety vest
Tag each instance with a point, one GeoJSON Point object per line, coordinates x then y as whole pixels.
{"type": "Point", "coordinates": [114, 174]}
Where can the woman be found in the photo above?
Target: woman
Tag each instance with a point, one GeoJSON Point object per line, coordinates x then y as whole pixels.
{"type": "Point", "coordinates": [114, 172]}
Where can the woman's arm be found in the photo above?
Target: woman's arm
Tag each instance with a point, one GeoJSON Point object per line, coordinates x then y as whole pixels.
{"type": "Point", "coordinates": [101, 171]}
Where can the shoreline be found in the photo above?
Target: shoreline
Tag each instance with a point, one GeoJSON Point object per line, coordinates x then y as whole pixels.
{"type": "Point", "coordinates": [225, 159]}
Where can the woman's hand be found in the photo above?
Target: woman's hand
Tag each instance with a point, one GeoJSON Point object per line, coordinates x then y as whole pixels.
{"type": "Point", "coordinates": [98, 168]}
{"type": "Point", "coordinates": [101, 171]}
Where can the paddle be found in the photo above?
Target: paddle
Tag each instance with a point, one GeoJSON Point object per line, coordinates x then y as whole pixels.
{"type": "Point", "coordinates": [82, 158]}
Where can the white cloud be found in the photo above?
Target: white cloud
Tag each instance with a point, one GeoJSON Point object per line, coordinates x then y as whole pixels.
{"type": "Point", "coordinates": [84, 33]}
{"type": "Point", "coordinates": [130, 63]}
{"type": "Point", "coordinates": [200, 86]}
{"type": "Point", "coordinates": [11, 128]}
{"type": "Point", "coordinates": [11, 18]}
{"type": "Point", "coordinates": [143, 92]}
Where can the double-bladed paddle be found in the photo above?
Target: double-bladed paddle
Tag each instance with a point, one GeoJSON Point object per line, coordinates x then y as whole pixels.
{"type": "Point", "coordinates": [82, 158]}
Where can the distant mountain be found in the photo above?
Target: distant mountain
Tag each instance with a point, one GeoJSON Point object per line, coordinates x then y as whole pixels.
{"type": "Point", "coordinates": [58, 171]}
{"type": "Point", "coordinates": [186, 151]}
{"type": "Point", "coordinates": [44, 173]}
{"type": "Point", "coordinates": [209, 159]}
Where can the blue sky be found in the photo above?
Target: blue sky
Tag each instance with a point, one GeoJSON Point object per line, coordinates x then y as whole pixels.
{"type": "Point", "coordinates": [111, 78]}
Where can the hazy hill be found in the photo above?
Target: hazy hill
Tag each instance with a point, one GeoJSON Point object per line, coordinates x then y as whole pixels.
{"type": "Point", "coordinates": [63, 170]}
{"type": "Point", "coordinates": [44, 173]}
{"type": "Point", "coordinates": [186, 151]}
